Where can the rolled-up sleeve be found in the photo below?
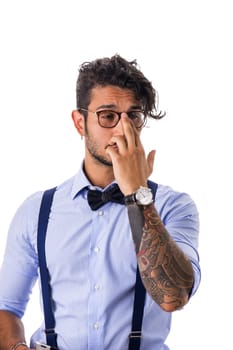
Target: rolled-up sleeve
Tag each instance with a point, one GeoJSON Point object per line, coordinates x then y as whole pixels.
{"type": "Point", "coordinates": [180, 216]}
{"type": "Point", "coordinates": [19, 270]}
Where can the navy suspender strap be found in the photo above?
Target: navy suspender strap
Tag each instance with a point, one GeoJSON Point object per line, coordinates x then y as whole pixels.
{"type": "Point", "coordinates": [139, 300]}
{"type": "Point", "coordinates": [140, 292]}
{"type": "Point", "coordinates": [51, 336]}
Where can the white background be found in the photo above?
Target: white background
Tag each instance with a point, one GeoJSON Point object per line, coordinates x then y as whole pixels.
{"type": "Point", "coordinates": [185, 49]}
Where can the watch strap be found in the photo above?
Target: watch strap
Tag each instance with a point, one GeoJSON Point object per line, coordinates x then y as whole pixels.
{"type": "Point", "coordinates": [130, 199]}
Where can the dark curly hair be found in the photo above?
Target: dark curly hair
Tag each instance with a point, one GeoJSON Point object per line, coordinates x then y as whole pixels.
{"type": "Point", "coordinates": [118, 72]}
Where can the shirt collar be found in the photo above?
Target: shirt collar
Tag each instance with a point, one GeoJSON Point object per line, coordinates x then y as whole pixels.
{"type": "Point", "coordinates": [81, 182]}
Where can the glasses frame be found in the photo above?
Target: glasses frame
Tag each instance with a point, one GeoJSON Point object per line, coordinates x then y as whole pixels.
{"type": "Point", "coordinates": [119, 116]}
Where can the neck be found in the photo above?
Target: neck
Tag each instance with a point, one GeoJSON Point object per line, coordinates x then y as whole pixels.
{"type": "Point", "coordinates": [98, 174]}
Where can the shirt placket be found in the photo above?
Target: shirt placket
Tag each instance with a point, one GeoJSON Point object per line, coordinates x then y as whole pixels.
{"type": "Point", "coordinates": [95, 326]}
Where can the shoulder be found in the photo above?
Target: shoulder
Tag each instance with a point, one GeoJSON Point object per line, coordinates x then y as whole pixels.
{"type": "Point", "coordinates": [168, 193]}
{"type": "Point", "coordinates": [27, 213]}
{"type": "Point", "coordinates": [171, 203]}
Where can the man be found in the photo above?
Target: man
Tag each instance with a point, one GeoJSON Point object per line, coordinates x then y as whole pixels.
{"type": "Point", "coordinates": [93, 253]}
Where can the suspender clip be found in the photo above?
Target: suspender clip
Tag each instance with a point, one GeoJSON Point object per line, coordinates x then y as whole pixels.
{"type": "Point", "coordinates": [49, 331]}
{"type": "Point", "coordinates": [135, 334]}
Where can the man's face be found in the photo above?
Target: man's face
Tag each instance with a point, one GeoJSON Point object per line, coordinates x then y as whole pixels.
{"type": "Point", "coordinates": [97, 137]}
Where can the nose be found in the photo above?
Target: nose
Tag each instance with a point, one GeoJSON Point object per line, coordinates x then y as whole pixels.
{"type": "Point", "coordinates": [118, 128]}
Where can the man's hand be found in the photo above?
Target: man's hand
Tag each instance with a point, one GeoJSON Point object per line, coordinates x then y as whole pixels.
{"type": "Point", "coordinates": [11, 332]}
{"type": "Point", "coordinates": [130, 165]}
{"type": "Point", "coordinates": [23, 347]}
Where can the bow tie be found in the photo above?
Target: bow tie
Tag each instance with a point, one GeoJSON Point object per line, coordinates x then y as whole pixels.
{"type": "Point", "coordinates": [97, 198]}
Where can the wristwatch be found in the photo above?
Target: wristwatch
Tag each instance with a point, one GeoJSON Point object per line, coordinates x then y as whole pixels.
{"type": "Point", "coordinates": [143, 196]}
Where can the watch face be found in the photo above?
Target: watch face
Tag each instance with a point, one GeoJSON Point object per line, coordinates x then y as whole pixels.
{"type": "Point", "coordinates": [144, 196]}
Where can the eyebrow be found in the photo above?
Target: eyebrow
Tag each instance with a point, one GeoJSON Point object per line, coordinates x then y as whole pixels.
{"type": "Point", "coordinates": [112, 106]}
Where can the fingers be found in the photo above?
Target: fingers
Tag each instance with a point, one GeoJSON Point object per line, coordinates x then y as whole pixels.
{"type": "Point", "coordinates": [127, 152]}
{"type": "Point", "coordinates": [129, 139]}
{"type": "Point", "coordinates": [150, 161]}
{"type": "Point", "coordinates": [130, 132]}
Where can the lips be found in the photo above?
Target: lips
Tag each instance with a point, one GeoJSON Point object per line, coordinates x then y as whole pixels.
{"type": "Point", "coordinates": [114, 145]}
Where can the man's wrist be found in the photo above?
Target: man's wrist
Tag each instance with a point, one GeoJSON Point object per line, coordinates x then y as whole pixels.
{"type": "Point", "coordinates": [143, 196]}
{"type": "Point", "coordinates": [21, 345]}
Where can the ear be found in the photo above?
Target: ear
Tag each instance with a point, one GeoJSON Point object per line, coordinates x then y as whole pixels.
{"type": "Point", "coordinates": [79, 122]}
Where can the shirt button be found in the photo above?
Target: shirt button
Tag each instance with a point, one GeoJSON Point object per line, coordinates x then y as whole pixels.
{"type": "Point", "coordinates": [100, 212]}
{"type": "Point", "coordinates": [96, 249]}
{"type": "Point", "coordinates": [96, 325]}
{"type": "Point", "coordinates": [96, 286]}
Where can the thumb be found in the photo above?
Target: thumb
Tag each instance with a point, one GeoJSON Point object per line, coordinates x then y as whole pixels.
{"type": "Point", "coordinates": [111, 151]}
{"type": "Point", "coordinates": [150, 162]}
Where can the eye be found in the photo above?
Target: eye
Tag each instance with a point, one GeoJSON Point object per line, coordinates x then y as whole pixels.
{"type": "Point", "coordinates": [107, 115]}
{"type": "Point", "coordinates": [136, 115]}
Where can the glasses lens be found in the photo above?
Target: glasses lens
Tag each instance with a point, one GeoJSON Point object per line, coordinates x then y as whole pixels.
{"type": "Point", "coordinates": [138, 118]}
{"type": "Point", "coordinates": [107, 119]}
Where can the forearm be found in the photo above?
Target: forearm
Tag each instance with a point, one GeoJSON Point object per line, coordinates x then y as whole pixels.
{"type": "Point", "coordinates": [165, 270]}
{"type": "Point", "coordinates": [11, 331]}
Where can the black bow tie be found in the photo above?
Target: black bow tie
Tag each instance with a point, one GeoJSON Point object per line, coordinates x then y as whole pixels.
{"type": "Point", "coordinates": [97, 198]}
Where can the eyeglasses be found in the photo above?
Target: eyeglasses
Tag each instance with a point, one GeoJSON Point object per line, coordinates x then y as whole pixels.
{"type": "Point", "coordinates": [109, 119]}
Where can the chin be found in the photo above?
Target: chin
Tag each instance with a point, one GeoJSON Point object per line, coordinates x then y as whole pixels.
{"type": "Point", "coordinates": [102, 160]}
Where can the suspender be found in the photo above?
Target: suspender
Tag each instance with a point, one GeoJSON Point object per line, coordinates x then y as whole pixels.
{"type": "Point", "coordinates": [139, 301]}
{"type": "Point", "coordinates": [51, 336]}
{"type": "Point", "coordinates": [140, 292]}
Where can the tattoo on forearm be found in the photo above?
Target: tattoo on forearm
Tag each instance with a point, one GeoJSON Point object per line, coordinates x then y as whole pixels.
{"type": "Point", "coordinates": [166, 272]}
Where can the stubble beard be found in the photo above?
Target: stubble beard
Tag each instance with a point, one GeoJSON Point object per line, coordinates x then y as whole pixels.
{"type": "Point", "coordinates": [92, 148]}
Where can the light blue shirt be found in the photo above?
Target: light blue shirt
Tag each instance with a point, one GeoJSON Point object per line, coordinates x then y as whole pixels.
{"type": "Point", "coordinates": [92, 263]}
